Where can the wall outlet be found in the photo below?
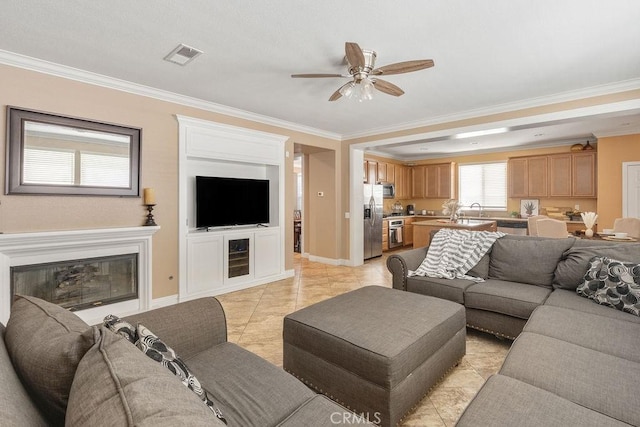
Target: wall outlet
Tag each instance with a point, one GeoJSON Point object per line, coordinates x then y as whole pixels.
{"type": "Point", "coordinates": [347, 215]}
{"type": "Point", "coordinates": [576, 207]}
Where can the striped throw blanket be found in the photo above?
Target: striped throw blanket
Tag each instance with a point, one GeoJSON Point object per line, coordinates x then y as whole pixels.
{"type": "Point", "coordinates": [452, 253]}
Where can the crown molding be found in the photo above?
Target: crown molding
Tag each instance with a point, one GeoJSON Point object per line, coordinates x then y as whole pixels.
{"type": "Point", "coordinates": [83, 76]}
{"type": "Point", "coordinates": [608, 89]}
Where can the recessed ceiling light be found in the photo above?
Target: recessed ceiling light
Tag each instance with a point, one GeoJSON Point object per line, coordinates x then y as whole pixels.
{"type": "Point", "coordinates": [182, 54]}
{"type": "Point", "coordinates": [538, 134]}
{"type": "Point", "coordinates": [474, 143]}
{"type": "Point", "coordinates": [625, 124]}
{"type": "Point", "coordinates": [424, 149]}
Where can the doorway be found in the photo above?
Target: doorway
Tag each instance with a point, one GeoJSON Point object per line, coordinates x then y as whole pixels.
{"type": "Point", "coordinates": [631, 189]}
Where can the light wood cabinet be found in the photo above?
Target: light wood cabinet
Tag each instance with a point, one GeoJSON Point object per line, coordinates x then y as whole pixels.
{"type": "Point", "coordinates": [556, 175]}
{"type": "Point", "coordinates": [537, 175]}
{"type": "Point", "coordinates": [399, 180]}
{"type": "Point", "coordinates": [370, 172]}
{"type": "Point", "coordinates": [560, 175]}
{"type": "Point", "coordinates": [518, 174]}
{"type": "Point", "coordinates": [385, 234]}
{"type": "Point", "coordinates": [527, 176]}
{"type": "Point", "coordinates": [408, 231]}
{"type": "Point", "coordinates": [418, 182]}
{"type": "Point", "coordinates": [583, 175]}
{"type": "Point", "coordinates": [391, 173]}
{"type": "Point", "coordinates": [381, 175]}
{"type": "Point", "coordinates": [445, 181]}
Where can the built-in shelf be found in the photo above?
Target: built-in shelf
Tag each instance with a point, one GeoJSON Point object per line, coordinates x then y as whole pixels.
{"type": "Point", "coordinates": [210, 262]}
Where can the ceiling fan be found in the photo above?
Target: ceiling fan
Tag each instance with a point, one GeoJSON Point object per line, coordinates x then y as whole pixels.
{"type": "Point", "coordinates": [364, 77]}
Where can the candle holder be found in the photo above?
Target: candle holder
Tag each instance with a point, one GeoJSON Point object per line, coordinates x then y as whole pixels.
{"type": "Point", "coordinates": [150, 220]}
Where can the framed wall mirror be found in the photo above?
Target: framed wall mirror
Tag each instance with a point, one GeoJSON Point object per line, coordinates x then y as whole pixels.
{"type": "Point", "coordinates": [52, 154]}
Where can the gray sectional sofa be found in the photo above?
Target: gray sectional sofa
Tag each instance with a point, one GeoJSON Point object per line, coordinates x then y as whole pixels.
{"type": "Point", "coordinates": [573, 362]}
{"type": "Point", "coordinates": [55, 369]}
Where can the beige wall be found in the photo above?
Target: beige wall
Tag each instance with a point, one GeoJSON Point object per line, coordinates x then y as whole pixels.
{"type": "Point", "coordinates": [612, 152]}
{"type": "Point", "coordinates": [32, 90]}
{"type": "Point", "coordinates": [322, 209]}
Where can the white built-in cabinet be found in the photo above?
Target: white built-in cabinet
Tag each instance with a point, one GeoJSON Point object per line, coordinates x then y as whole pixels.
{"type": "Point", "coordinates": [226, 259]}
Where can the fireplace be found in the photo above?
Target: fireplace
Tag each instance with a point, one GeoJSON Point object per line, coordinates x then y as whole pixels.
{"type": "Point", "coordinates": [78, 269]}
{"type": "Point", "coordinates": [79, 284]}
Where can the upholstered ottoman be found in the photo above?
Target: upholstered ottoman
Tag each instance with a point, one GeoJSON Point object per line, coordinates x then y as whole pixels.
{"type": "Point", "coordinates": [376, 350]}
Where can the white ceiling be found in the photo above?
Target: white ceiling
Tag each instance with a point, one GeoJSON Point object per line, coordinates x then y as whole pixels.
{"type": "Point", "coordinates": [490, 56]}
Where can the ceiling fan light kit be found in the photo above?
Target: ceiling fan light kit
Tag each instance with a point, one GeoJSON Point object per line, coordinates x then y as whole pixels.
{"type": "Point", "coordinates": [362, 73]}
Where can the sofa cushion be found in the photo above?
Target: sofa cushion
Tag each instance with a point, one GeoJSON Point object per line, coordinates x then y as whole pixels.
{"type": "Point", "coordinates": [511, 298]}
{"type": "Point", "coordinates": [603, 334]}
{"type": "Point", "coordinates": [250, 390]}
{"type": "Point", "coordinates": [595, 380]}
{"type": "Point", "coordinates": [571, 300]}
{"type": "Point", "coordinates": [575, 261]}
{"type": "Point", "coordinates": [17, 408]}
{"type": "Point", "coordinates": [481, 269]}
{"type": "Point", "coordinates": [319, 410]}
{"type": "Point", "coordinates": [527, 259]}
{"type": "Point", "coordinates": [116, 384]}
{"type": "Point", "coordinates": [46, 343]}
{"type": "Point", "coordinates": [450, 289]}
{"type": "Point", "coordinates": [613, 283]}
{"type": "Point", "coordinates": [506, 402]}
{"type": "Point", "coordinates": [153, 347]}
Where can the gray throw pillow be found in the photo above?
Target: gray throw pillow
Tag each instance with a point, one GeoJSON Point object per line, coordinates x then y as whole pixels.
{"type": "Point", "coordinates": [613, 283]}
{"type": "Point", "coordinates": [46, 343]}
{"type": "Point", "coordinates": [115, 384]}
{"type": "Point", "coordinates": [575, 263]}
{"type": "Point", "coordinates": [527, 259]}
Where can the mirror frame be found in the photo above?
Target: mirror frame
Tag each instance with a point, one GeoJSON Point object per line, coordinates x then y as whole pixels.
{"type": "Point", "coordinates": [16, 118]}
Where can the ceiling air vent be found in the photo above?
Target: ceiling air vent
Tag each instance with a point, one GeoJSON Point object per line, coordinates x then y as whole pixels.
{"type": "Point", "coordinates": [182, 54]}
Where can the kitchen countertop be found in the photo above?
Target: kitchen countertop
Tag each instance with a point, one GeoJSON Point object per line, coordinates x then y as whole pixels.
{"type": "Point", "coordinates": [475, 218]}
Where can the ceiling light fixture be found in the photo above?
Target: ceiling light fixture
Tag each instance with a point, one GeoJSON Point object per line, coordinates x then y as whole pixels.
{"type": "Point", "coordinates": [183, 54]}
{"type": "Point", "coordinates": [360, 90]}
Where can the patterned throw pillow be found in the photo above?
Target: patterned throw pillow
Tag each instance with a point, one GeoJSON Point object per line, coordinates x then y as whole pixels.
{"type": "Point", "coordinates": [157, 350]}
{"type": "Point", "coordinates": [121, 327]}
{"type": "Point", "coordinates": [612, 283]}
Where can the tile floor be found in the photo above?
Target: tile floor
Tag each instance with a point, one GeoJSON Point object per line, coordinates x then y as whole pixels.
{"type": "Point", "coordinates": [254, 318]}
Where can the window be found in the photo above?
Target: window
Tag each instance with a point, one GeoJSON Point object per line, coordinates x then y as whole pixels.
{"type": "Point", "coordinates": [484, 183]}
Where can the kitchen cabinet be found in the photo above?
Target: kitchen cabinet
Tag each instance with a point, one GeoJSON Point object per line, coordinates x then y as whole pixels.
{"type": "Point", "coordinates": [408, 231]}
{"type": "Point", "coordinates": [370, 172]}
{"type": "Point", "coordinates": [518, 181]}
{"type": "Point", "coordinates": [391, 173]}
{"type": "Point", "coordinates": [381, 175]}
{"type": "Point", "coordinates": [403, 177]}
{"type": "Point", "coordinates": [385, 234]}
{"type": "Point", "coordinates": [556, 175]}
{"type": "Point", "coordinates": [432, 181]}
{"type": "Point", "coordinates": [527, 176]}
{"type": "Point", "coordinates": [418, 182]}
{"type": "Point", "coordinates": [560, 175]}
{"type": "Point", "coordinates": [583, 174]}
{"type": "Point", "coordinates": [537, 174]}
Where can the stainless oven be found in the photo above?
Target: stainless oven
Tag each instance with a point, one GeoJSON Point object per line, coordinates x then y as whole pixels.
{"type": "Point", "coordinates": [396, 233]}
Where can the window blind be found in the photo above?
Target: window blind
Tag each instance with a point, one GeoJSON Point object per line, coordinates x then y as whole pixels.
{"type": "Point", "coordinates": [104, 170]}
{"type": "Point", "coordinates": [484, 183]}
{"type": "Point", "coordinates": [43, 166]}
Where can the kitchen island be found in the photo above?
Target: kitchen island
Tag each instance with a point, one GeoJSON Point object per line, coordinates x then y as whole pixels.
{"type": "Point", "coordinates": [422, 229]}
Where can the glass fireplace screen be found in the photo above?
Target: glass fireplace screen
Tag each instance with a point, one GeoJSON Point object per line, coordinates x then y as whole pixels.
{"type": "Point", "coordinates": [79, 284]}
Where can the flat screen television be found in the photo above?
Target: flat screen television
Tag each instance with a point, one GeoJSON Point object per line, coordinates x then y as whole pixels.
{"type": "Point", "coordinates": [231, 201]}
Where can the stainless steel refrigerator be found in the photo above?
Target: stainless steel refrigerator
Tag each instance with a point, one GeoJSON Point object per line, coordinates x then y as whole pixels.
{"type": "Point", "coordinates": [372, 221]}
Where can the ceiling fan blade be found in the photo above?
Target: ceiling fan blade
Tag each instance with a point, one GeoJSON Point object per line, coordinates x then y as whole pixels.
{"type": "Point", "coordinates": [404, 67]}
{"type": "Point", "coordinates": [388, 88]}
{"type": "Point", "coordinates": [354, 54]}
{"type": "Point", "coordinates": [337, 94]}
{"type": "Point", "coordinates": [312, 76]}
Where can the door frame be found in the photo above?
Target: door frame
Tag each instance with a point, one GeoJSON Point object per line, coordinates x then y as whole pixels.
{"type": "Point", "coordinates": [625, 177]}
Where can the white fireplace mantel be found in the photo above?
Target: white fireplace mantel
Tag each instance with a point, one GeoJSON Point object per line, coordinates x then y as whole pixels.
{"type": "Point", "coordinates": [54, 246]}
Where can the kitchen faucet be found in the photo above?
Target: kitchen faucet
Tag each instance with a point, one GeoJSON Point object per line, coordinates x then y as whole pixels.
{"type": "Point", "coordinates": [479, 208]}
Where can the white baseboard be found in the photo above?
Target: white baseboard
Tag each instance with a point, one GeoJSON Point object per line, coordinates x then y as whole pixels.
{"type": "Point", "coordinates": [323, 260]}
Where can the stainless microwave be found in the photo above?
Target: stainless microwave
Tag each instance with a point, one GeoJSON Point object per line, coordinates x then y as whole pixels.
{"type": "Point", "coordinates": [388, 190]}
